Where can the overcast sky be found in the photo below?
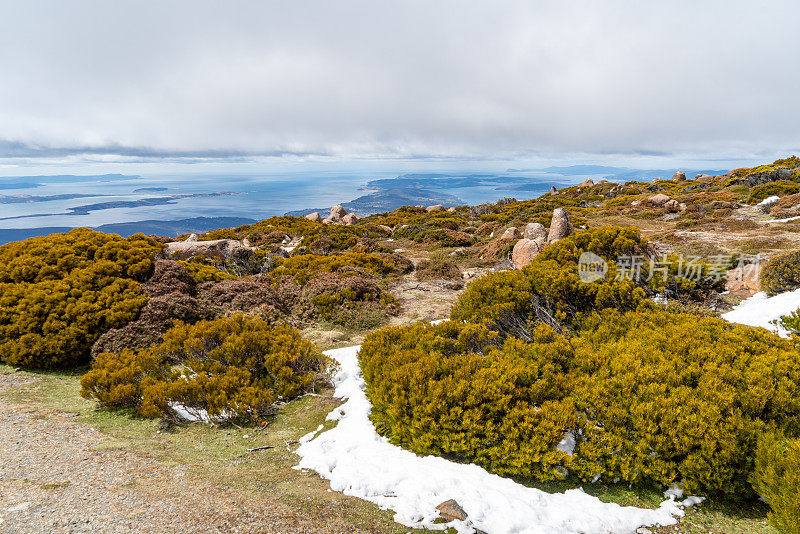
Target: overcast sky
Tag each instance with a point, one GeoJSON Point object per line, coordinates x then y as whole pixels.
{"type": "Point", "coordinates": [374, 79]}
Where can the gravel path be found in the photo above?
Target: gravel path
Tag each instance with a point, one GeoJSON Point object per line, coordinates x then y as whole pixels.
{"type": "Point", "coordinates": [54, 479]}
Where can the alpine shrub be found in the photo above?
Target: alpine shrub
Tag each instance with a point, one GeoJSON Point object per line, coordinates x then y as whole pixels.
{"type": "Point", "coordinates": [777, 478]}
{"type": "Point", "coordinates": [231, 369]}
{"type": "Point", "coordinates": [59, 293]}
{"type": "Point", "coordinates": [648, 396]}
{"type": "Point", "coordinates": [781, 274]}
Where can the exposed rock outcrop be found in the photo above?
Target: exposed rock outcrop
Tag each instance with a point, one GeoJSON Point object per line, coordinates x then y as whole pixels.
{"type": "Point", "coordinates": [678, 176]}
{"type": "Point", "coordinates": [337, 212]}
{"type": "Point", "coordinates": [436, 207]}
{"type": "Point", "coordinates": [218, 248]}
{"type": "Point", "coordinates": [586, 183]}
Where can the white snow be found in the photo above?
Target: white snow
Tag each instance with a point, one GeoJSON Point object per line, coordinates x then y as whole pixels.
{"type": "Point", "coordinates": [769, 200]}
{"type": "Point", "coordinates": [360, 463]}
{"type": "Point", "coordinates": [787, 219]}
{"type": "Point", "coordinates": [760, 309]}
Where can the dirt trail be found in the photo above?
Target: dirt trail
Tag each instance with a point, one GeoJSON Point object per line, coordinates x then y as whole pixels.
{"type": "Point", "coordinates": [55, 476]}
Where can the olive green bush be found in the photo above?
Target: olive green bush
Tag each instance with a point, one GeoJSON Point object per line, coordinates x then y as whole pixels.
{"type": "Point", "coordinates": [550, 289]}
{"type": "Point", "coordinates": [776, 478]}
{"type": "Point", "coordinates": [649, 396]}
{"type": "Point", "coordinates": [781, 274]}
{"type": "Point", "coordinates": [233, 369]}
{"type": "Point", "coordinates": [59, 293]}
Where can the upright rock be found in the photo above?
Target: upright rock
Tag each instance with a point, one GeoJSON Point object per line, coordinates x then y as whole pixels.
{"type": "Point", "coordinates": [560, 225]}
{"type": "Point", "coordinates": [553, 190]}
{"type": "Point", "coordinates": [315, 217]}
{"type": "Point", "coordinates": [337, 212]}
{"type": "Point", "coordinates": [678, 176]}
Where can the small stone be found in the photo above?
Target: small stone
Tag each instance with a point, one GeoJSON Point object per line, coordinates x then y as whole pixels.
{"type": "Point", "coordinates": [451, 511]}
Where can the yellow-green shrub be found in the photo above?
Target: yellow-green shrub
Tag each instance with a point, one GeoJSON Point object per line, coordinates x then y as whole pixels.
{"type": "Point", "coordinates": [305, 266]}
{"type": "Point", "coordinates": [551, 287]}
{"type": "Point", "coordinates": [233, 369]}
{"type": "Point", "coordinates": [200, 272]}
{"type": "Point", "coordinates": [777, 479]}
{"type": "Point", "coordinates": [443, 390]}
{"type": "Point", "coordinates": [648, 396]}
{"type": "Point", "coordinates": [781, 274]}
{"type": "Point", "coordinates": [59, 293]}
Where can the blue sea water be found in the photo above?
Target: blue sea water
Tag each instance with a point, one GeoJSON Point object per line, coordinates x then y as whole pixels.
{"type": "Point", "coordinates": [257, 196]}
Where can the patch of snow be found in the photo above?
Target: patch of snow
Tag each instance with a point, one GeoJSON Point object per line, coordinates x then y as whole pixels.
{"type": "Point", "coordinates": [567, 444]}
{"type": "Point", "coordinates": [363, 464]}
{"type": "Point", "coordinates": [760, 310]}
{"type": "Point", "coordinates": [787, 219]}
{"type": "Point", "coordinates": [189, 414]}
{"type": "Point", "coordinates": [769, 200]}
{"type": "Point", "coordinates": [675, 491]}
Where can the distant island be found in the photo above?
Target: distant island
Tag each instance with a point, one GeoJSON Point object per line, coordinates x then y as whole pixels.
{"type": "Point", "coordinates": [390, 199]}
{"type": "Point", "coordinates": [149, 189]}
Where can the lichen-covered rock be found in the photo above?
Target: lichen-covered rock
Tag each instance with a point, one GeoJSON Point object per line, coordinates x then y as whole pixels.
{"type": "Point", "coordinates": [678, 176]}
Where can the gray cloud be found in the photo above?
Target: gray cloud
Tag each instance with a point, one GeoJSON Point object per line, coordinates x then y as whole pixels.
{"type": "Point", "coordinates": [405, 79]}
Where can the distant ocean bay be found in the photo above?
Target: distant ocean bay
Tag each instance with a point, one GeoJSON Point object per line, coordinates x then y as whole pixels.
{"type": "Point", "coordinates": [38, 205]}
